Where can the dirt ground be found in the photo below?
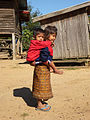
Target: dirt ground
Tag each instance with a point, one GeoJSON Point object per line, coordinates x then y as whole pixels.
{"type": "Point", "coordinates": [71, 92]}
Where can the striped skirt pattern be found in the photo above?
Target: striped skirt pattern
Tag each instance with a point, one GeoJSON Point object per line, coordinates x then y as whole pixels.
{"type": "Point", "coordinates": [41, 83]}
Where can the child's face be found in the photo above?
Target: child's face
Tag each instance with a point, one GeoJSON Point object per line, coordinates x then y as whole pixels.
{"type": "Point", "coordinates": [52, 37]}
{"type": "Point", "coordinates": [40, 37]}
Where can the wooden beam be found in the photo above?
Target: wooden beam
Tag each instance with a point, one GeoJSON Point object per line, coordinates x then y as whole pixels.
{"type": "Point", "coordinates": [3, 48]}
{"type": "Point", "coordinates": [7, 33]}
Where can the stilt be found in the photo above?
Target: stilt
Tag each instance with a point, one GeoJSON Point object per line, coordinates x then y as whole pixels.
{"type": "Point", "coordinates": [13, 42]}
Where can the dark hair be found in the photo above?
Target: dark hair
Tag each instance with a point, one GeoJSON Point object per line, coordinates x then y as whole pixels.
{"type": "Point", "coordinates": [50, 30]}
{"type": "Point", "coordinates": [37, 31]}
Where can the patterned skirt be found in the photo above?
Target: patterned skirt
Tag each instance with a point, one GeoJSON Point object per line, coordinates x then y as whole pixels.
{"type": "Point", "coordinates": [41, 83]}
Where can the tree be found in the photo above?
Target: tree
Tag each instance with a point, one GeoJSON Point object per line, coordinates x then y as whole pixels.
{"type": "Point", "coordinates": [27, 27]}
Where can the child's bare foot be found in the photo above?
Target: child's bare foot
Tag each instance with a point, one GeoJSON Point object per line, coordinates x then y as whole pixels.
{"type": "Point", "coordinates": [58, 72]}
{"type": "Point", "coordinates": [51, 71]}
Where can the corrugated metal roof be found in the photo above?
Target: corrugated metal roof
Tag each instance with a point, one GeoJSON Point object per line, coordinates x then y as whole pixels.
{"type": "Point", "coordinates": [63, 11]}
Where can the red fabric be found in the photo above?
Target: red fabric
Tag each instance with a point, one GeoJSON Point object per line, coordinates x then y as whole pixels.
{"type": "Point", "coordinates": [35, 47]}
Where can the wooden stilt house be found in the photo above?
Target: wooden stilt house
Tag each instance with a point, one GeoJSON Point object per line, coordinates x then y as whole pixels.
{"type": "Point", "coordinates": [12, 14]}
{"type": "Point", "coordinates": [73, 31]}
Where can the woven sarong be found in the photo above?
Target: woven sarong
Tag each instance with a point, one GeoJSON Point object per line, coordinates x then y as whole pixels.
{"type": "Point", "coordinates": [41, 83]}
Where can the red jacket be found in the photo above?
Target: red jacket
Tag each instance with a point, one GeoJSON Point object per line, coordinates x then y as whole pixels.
{"type": "Point", "coordinates": [35, 48]}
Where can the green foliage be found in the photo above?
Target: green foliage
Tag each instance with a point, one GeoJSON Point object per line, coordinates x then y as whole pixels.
{"type": "Point", "coordinates": [27, 28]}
{"type": "Point", "coordinates": [89, 18]}
{"type": "Point", "coordinates": [26, 37]}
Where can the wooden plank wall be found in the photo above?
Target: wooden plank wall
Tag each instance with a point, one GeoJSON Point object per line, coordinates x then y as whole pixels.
{"type": "Point", "coordinates": [6, 4]}
{"type": "Point", "coordinates": [73, 37]}
{"type": "Point", "coordinates": [6, 17]}
{"type": "Point", "coordinates": [9, 17]}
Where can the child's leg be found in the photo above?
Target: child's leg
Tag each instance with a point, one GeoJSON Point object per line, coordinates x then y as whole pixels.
{"type": "Point", "coordinates": [51, 64]}
{"type": "Point", "coordinates": [37, 61]}
{"type": "Point", "coordinates": [44, 53]}
{"type": "Point", "coordinates": [40, 105]}
{"type": "Point", "coordinates": [47, 60]}
{"type": "Point", "coordinates": [44, 101]}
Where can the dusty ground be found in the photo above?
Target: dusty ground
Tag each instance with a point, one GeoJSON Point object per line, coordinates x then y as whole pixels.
{"type": "Point", "coordinates": [71, 92]}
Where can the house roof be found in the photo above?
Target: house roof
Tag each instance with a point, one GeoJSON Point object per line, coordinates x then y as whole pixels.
{"type": "Point", "coordinates": [23, 13]}
{"type": "Point", "coordinates": [23, 4]}
{"type": "Point", "coordinates": [60, 12]}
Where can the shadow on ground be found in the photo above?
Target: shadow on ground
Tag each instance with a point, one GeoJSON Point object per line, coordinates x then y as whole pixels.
{"type": "Point", "coordinates": [26, 95]}
{"type": "Point", "coordinates": [62, 63]}
{"type": "Point", "coordinates": [26, 62]}
{"type": "Point", "coordinates": [69, 64]}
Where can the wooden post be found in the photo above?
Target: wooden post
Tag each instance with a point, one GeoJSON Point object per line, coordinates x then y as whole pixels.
{"type": "Point", "coordinates": [13, 42]}
{"type": "Point", "coordinates": [18, 46]}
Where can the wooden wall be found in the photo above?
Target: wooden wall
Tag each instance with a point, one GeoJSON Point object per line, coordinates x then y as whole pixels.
{"type": "Point", "coordinates": [73, 36]}
{"type": "Point", "coordinates": [9, 17]}
{"type": "Point", "coordinates": [6, 17]}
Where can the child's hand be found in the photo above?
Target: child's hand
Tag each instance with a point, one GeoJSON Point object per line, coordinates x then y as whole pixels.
{"type": "Point", "coordinates": [58, 72]}
{"type": "Point", "coordinates": [52, 45]}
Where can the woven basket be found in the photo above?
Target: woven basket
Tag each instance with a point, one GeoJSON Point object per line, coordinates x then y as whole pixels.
{"type": "Point", "coordinates": [41, 83]}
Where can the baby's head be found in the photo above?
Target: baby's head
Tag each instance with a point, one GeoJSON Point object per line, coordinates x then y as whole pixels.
{"type": "Point", "coordinates": [39, 34]}
{"type": "Point", "coordinates": [50, 33]}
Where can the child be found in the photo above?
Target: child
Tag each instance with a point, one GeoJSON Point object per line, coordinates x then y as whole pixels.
{"type": "Point", "coordinates": [41, 80]}
{"type": "Point", "coordinates": [41, 51]}
{"type": "Point", "coordinates": [50, 34]}
{"type": "Point", "coordinates": [33, 55]}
